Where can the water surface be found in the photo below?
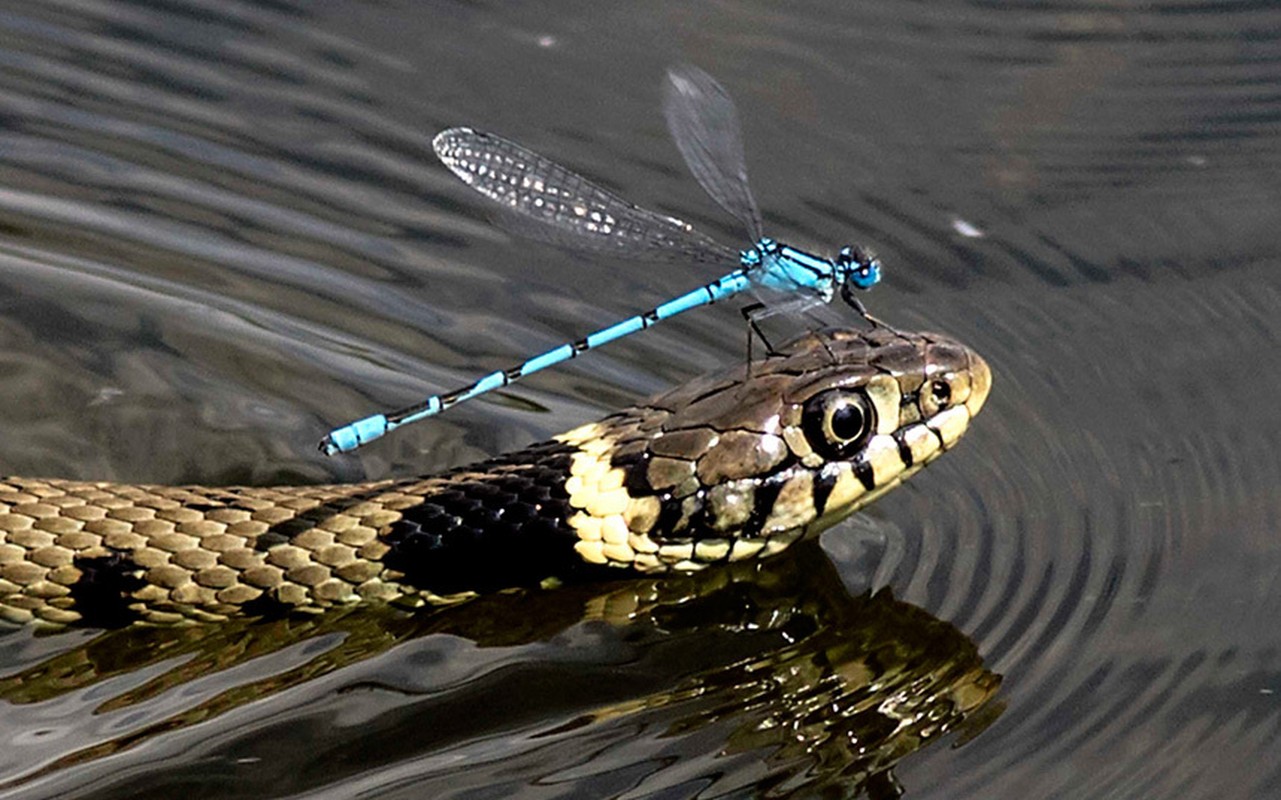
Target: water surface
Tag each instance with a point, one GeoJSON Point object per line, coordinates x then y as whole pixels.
{"type": "Point", "coordinates": [222, 232]}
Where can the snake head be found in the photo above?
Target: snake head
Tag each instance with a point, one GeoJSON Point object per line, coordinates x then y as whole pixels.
{"type": "Point", "coordinates": [739, 465]}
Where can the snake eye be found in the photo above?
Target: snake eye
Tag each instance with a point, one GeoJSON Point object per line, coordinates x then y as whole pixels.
{"type": "Point", "coordinates": [837, 422]}
{"type": "Point", "coordinates": [936, 395]}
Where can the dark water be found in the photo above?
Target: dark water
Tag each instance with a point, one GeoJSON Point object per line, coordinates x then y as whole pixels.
{"type": "Point", "coordinates": [222, 231]}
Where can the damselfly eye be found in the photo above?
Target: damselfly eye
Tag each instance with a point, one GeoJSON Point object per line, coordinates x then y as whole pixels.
{"type": "Point", "coordinates": [838, 422]}
{"type": "Point", "coordinates": [859, 266]}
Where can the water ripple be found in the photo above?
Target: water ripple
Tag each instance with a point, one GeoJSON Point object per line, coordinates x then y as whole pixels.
{"type": "Point", "coordinates": [223, 232]}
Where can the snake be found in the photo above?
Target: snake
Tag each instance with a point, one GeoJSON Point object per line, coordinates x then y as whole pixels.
{"type": "Point", "coordinates": [734, 465]}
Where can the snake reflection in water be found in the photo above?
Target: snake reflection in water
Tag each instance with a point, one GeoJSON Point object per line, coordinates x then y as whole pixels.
{"type": "Point", "coordinates": [728, 467]}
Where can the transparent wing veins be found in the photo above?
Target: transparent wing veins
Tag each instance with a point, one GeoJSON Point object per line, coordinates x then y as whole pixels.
{"type": "Point", "coordinates": [544, 201]}
{"type": "Point", "coordinates": [704, 123]}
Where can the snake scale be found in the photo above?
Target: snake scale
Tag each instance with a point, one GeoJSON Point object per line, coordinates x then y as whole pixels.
{"type": "Point", "coordinates": [730, 466]}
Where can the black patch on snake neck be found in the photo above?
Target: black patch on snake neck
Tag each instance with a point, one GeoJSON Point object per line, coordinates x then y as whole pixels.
{"type": "Point", "coordinates": [635, 467]}
{"type": "Point", "coordinates": [509, 529]}
{"type": "Point", "coordinates": [105, 589]}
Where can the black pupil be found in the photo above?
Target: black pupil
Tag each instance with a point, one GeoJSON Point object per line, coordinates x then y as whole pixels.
{"type": "Point", "coordinates": [847, 421]}
{"type": "Point", "coordinates": [941, 391]}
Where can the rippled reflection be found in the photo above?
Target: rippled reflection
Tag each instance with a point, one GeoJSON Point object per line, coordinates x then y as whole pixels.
{"type": "Point", "coordinates": [768, 676]}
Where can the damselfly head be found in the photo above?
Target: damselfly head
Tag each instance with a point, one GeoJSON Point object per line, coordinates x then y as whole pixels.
{"type": "Point", "coordinates": [859, 266]}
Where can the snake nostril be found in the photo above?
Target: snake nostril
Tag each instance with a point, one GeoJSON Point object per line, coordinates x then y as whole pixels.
{"type": "Point", "coordinates": [935, 396]}
{"type": "Point", "coordinates": [941, 392]}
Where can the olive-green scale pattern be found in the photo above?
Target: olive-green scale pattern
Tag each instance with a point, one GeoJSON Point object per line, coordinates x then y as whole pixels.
{"type": "Point", "coordinates": [203, 553]}
{"type": "Point", "coordinates": [197, 550]}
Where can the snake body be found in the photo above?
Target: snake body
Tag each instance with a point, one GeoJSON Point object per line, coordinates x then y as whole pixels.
{"type": "Point", "coordinates": [730, 466]}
